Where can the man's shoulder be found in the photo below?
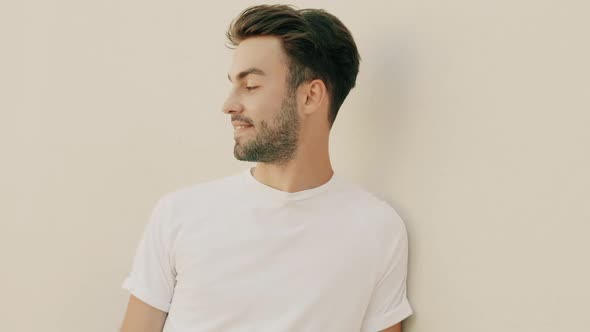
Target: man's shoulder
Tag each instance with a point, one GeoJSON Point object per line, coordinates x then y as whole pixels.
{"type": "Point", "coordinates": [204, 191]}
{"type": "Point", "coordinates": [372, 205]}
{"type": "Point", "coordinates": [364, 197]}
{"type": "Point", "coordinates": [381, 210]}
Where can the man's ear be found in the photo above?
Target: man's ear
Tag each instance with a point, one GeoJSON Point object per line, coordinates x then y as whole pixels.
{"type": "Point", "coordinates": [314, 95]}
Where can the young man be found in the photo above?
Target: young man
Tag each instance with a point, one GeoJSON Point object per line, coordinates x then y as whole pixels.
{"type": "Point", "coordinates": [288, 245]}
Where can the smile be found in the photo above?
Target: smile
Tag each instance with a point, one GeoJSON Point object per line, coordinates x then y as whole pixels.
{"type": "Point", "coordinates": [240, 129]}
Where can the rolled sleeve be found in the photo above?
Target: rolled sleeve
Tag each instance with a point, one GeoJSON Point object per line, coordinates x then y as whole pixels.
{"type": "Point", "coordinates": [389, 303]}
{"type": "Point", "coordinates": [152, 278]}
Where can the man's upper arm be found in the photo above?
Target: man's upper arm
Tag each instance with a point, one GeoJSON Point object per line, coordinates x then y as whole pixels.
{"type": "Point", "coordinates": [141, 317]}
{"type": "Point", "coordinates": [389, 304]}
{"type": "Point", "coordinates": [152, 278]}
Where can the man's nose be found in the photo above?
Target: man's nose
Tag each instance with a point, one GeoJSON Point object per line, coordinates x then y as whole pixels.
{"type": "Point", "coordinates": [232, 105]}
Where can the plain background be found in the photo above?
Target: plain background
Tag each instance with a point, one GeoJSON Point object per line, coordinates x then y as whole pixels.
{"type": "Point", "coordinates": [470, 117]}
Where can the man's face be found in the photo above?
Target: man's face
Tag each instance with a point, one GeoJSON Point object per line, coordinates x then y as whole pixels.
{"type": "Point", "coordinates": [261, 99]}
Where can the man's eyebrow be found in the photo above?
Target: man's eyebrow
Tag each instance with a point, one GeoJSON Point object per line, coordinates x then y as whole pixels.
{"type": "Point", "coordinates": [247, 72]}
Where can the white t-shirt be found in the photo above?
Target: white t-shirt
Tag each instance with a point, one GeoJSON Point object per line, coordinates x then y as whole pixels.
{"type": "Point", "coordinates": [235, 255]}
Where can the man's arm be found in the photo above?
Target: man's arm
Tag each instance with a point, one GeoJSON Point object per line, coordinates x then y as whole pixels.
{"type": "Point", "coordinates": [141, 317]}
{"type": "Point", "coordinates": [394, 328]}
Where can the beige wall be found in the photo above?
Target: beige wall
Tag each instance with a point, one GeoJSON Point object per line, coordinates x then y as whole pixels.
{"type": "Point", "coordinates": [470, 117]}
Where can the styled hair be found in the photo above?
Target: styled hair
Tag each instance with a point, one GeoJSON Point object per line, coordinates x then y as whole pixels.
{"type": "Point", "coordinates": [317, 44]}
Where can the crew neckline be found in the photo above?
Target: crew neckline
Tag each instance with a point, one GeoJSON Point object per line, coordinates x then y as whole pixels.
{"type": "Point", "coordinates": [284, 195]}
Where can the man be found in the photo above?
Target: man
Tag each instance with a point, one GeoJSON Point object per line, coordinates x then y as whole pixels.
{"type": "Point", "coordinates": [288, 245]}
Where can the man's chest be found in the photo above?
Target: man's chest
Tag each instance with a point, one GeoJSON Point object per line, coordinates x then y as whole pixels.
{"type": "Point", "coordinates": [263, 267]}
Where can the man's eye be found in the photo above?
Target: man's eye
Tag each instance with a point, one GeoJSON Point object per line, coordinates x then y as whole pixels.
{"type": "Point", "coordinates": [250, 88]}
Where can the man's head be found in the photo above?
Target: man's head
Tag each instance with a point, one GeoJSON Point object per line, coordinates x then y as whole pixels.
{"type": "Point", "coordinates": [291, 71]}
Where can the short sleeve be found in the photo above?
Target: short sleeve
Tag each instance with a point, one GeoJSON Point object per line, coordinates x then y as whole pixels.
{"type": "Point", "coordinates": [389, 303]}
{"type": "Point", "coordinates": [152, 278]}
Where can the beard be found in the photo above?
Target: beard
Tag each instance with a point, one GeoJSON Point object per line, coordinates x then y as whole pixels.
{"type": "Point", "coordinates": [273, 144]}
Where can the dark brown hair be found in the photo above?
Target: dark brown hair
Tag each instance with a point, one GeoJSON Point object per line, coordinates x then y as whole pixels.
{"type": "Point", "coordinates": [316, 42]}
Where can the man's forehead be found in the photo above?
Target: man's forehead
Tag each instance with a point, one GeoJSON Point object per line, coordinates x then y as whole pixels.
{"type": "Point", "coordinates": [260, 44]}
{"type": "Point", "coordinates": [262, 53]}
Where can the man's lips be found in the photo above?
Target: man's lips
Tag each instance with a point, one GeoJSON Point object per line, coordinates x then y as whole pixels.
{"type": "Point", "coordinates": [238, 124]}
{"type": "Point", "coordinates": [241, 129]}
